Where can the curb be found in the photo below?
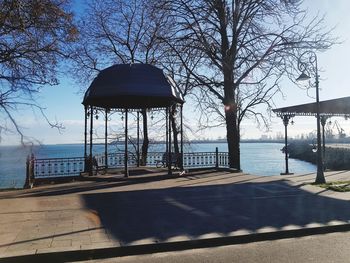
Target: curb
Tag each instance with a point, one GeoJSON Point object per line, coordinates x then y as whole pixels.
{"type": "Point", "coordinates": [103, 253]}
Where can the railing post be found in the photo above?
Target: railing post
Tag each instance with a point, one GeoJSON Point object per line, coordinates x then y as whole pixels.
{"type": "Point", "coordinates": [216, 157]}
{"type": "Point", "coordinates": [29, 171]}
{"type": "Point", "coordinates": [26, 184]}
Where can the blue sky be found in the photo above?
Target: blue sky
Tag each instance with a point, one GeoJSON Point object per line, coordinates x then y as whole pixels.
{"type": "Point", "coordinates": [63, 103]}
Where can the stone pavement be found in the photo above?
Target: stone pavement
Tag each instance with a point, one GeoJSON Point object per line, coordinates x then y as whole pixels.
{"type": "Point", "coordinates": [112, 212]}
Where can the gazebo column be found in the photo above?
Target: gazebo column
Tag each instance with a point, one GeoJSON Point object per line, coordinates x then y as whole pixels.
{"type": "Point", "coordinates": [285, 119]}
{"type": "Point", "coordinates": [166, 134]}
{"type": "Point", "coordinates": [91, 129]}
{"type": "Point", "coordinates": [85, 139]}
{"type": "Point", "coordinates": [169, 142]}
{"type": "Point", "coordinates": [138, 139]}
{"type": "Point", "coordinates": [181, 138]}
{"type": "Point", "coordinates": [106, 134]}
{"type": "Point", "coordinates": [126, 170]}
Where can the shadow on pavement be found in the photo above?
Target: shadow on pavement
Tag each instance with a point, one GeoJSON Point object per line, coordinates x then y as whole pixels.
{"type": "Point", "coordinates": [89, 184]}
{"type": "Point", "coordinates": [99, 183]}
{"type": "Point", "coordinates": [195, 211]}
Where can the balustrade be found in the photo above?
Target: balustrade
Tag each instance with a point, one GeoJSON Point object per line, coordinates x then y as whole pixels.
{"type": "Point", "coordinates": [60, 167]}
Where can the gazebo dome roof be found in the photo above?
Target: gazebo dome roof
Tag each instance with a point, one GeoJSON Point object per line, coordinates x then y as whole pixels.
{"type": "Point", "coordinates": [132, 86]}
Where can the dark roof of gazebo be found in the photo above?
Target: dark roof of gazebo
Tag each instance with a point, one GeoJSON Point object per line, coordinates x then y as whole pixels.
{"type": "Point", "coordinates": [334, 107]}
{"type": "Point", "coordinates": [132, 86]}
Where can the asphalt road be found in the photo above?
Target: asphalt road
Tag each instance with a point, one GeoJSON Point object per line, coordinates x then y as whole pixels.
{"type": "Point", "coordinates": [332, 247]}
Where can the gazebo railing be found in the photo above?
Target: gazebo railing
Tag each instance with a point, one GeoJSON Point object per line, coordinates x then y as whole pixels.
{"type": "Point", "coordinates": [190, 160]}
{"type": "Point", "coordinates": [116, 160]}
{"type": "Point", "coordinates": [74, 166]}
{"type": "Point", "coordinates": [153, 158]}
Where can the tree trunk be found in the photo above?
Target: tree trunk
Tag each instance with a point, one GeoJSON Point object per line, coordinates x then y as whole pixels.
{"type": "Point", "coordinates": [145, 143]}
{"type": "Point", "coordinates": [232, 127]}
{"type": "Point", "coordinates": [175, 130]}
{"type": "Point", "coordinates": [233, 138]}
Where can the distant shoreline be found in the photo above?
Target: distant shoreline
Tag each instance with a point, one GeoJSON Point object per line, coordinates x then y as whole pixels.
{"type": "Point", "coordinates": [328, 141]}
{"type": "Point", "coordinates": [162, 142]}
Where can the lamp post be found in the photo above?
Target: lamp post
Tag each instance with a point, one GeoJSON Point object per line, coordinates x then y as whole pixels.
{"type": "Point", "coordinates": [302, 66]}
{"type": "Point", "coordinates": [285, 119]}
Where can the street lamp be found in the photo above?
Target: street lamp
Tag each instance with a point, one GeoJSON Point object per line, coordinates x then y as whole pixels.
{"type": "Point", "coordinates": [302, 66]}
{"type": "Point", "coordinates": [285, 119]}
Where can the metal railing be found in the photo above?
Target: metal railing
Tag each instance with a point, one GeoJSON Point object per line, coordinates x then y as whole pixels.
{"type": "Point", "coordinates": [58, 167]}
{"type": "Point", "coordinates": [223, 160]}
{"type": "Point", "coordinates": [205, 160]}
{"type": "Point", "coordinates": [74, 166]}
{"type": "Point", "coordinates": [116, 160]}
{"type": "Point", "coordinates": [199, 159]}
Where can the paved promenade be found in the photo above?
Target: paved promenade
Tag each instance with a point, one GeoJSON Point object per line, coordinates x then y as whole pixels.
{"type": "Point", "coordinates": [112, 212]}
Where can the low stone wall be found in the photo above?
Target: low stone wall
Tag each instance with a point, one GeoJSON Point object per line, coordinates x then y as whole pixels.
{"type": "Point", "coordinates": [336, 158]}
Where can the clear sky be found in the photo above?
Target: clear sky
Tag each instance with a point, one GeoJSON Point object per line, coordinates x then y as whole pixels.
{"type": "Point", "coordinates": [63, 103]}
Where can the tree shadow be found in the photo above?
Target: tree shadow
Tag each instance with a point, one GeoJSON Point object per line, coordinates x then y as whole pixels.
{"type": "Point", "coordinates": [86, 184]}
{"type": "Point", "coordinates": [162, 214]}
{"type": "Point", "coordinates": [82, 185]}
{"type": "Point", "coordinates": [328, 175]}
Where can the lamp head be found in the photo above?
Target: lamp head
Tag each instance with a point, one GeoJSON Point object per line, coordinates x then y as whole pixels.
{"type": "Point", "coordinates": [314, 146]}
{"type": "Point", "coordinates": [303, 76]}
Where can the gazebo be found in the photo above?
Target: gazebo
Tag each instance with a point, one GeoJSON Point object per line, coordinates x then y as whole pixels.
{"type": "Point", "coordinates": [131, 88]}
{"type": "Point", "coordinates": [328, 108]}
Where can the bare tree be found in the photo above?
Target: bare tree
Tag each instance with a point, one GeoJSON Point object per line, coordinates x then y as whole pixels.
{"type": "Point", "coordinates": [118, 31]}
{"type": "Point", "coordinates": [33, 38]}
{"type": "Point", "coordinates": [173, 66]}
{"type": "Point", "coordinates": [242, 48]}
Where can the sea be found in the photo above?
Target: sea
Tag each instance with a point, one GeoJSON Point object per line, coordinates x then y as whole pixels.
{"type": "Point", "coordinates": [264, 159]}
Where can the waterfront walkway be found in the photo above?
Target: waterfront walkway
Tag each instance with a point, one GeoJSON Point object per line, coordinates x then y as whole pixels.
{"type": "Point", "coordinates": [88, 219]}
